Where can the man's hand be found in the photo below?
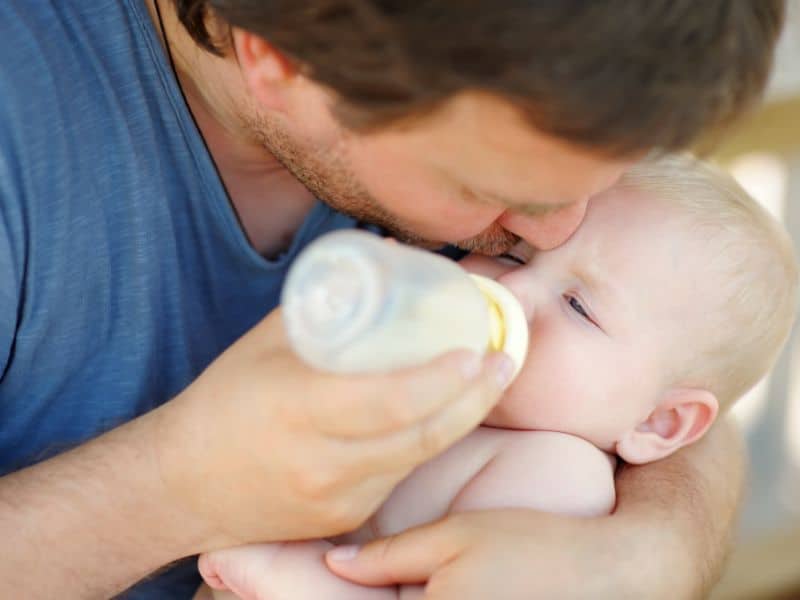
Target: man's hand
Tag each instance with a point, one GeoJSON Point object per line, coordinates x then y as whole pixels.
{"type": "Point", "coordinates": [259, 447]}
{"type": "Point", "coordinates": [264, 448]}
{"type": "Point", "coordinates": [667, 539]}
{"type": "Point", "coordinates": [508, 554]}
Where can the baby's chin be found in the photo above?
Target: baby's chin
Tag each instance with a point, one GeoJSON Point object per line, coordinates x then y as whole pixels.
{"type": "Point", "coordinates": [522, 416]}
{"type": "Point", "coordinates": [501, 418]}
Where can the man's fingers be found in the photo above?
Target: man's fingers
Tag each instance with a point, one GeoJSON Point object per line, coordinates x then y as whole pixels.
{"type": "Point", "coordinates": [378, 463]}
{"type": "Point", "coordinates": [368, 405]}
{"type": "Point", "coordinates": [425, 439]}
{"type": "Point", "coordinates": [376, 405]}
{"type": "Point", "coordinates": [409, 557]}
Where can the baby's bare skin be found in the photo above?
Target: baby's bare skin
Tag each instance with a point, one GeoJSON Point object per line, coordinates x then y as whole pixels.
{"type": "Point", "coordinates": [490, 468]}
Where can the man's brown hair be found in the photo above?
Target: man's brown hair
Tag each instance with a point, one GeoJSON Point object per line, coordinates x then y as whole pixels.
{"type": "Point", "coordinates": [620, 76]}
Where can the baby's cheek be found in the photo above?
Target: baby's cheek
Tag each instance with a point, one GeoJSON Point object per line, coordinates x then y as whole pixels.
{"type": "Point", "coordinates": [516, 411]}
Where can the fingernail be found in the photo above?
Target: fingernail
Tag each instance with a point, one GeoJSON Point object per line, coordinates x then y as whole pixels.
{"type": "Point", "coordinates": [342, 553]}
{"type": "Point", "coordinates": [471, 366]}
{"type": "Point", "coordinates": [503, 368]}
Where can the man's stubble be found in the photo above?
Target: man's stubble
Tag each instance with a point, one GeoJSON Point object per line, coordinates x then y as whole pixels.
{"type": "Point", "coordinates": [329, 177]}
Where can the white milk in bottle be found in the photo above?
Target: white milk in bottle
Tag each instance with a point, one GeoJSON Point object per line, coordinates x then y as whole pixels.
{"type": "Point", "coordinates": [354, 302]}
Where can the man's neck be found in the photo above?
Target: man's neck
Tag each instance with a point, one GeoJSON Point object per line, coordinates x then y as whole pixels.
{"type": "Point", "coordinates": [270, 203]}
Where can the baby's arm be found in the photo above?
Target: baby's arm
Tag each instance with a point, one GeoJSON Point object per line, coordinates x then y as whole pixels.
{"type": "Point", "coordinates": [546, 471]}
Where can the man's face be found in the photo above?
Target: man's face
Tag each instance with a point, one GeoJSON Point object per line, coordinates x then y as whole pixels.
{"type": "Point", "coordinates": [473, 173]}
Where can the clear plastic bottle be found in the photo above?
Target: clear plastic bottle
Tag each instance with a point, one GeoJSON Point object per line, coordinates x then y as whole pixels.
{"type": "Point", "coordinates": [354, 302]}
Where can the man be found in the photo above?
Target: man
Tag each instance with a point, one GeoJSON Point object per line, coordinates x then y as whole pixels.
{"type": "Point", "coordinates": [160, 165]}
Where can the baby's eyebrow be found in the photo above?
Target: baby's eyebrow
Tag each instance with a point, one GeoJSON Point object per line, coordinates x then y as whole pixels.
{"type": "Point", "coordinates": [600, 283]}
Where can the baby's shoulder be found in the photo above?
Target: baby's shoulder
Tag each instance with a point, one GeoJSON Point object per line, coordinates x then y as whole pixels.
{"type": "Point", "coordinates": [500, 468]}
{"type": "Point", "coordinates": [561, 446]}
{"type": "Point", "coordinates": [544, 470]}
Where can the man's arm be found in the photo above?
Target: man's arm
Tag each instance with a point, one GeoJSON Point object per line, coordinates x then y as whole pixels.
{"type": "Point", "coordinates": [691, 502]}
{"type": "Point", "coordinates": [667, 539]}
{"type": "Point", "coordinates": [91, 522]}
{"type": "Point", "coordinates": [259, 447]}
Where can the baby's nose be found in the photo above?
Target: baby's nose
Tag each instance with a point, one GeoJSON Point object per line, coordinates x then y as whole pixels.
{"type": "Point", "coordinates": [520, 285]}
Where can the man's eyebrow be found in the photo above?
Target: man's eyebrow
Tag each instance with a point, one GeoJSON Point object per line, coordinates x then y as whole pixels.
{"type": "Point", "coordinates": [530, 209]}
{"type": "Point", "coordinates": [535, 210]}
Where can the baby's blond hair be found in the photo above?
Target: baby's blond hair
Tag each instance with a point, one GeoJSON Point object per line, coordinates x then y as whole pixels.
{"type": "Point", "coordinates": [751, 263]}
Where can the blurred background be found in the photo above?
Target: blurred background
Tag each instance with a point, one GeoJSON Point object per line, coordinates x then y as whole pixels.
{"type": "Point", "coordinates": [763, 153]}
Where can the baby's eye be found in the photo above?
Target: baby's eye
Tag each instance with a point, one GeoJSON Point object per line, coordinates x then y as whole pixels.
{"type": "Point", "coordinates": [576, 305]}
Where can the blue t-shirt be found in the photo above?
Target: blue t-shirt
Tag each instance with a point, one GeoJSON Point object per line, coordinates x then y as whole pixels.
{"type": "Point", "coordinates": [123, 268]}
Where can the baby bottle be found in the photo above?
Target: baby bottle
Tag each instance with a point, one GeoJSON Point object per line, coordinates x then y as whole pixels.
{"type": "Point", "coordinates": [354, 302]}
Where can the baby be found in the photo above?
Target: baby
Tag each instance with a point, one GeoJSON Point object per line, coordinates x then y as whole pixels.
{"type": "Point", "coordinates": [671, 300]}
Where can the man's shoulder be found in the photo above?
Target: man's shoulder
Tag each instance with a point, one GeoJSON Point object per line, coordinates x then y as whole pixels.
{"type": "Point", "coordinates": [79, 83]}
{"type": "Point", "coordinates": [59, 57]}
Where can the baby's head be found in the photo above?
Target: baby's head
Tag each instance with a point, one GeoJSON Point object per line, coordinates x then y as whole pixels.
{"type": "Point", "coordinates": [671, 300]}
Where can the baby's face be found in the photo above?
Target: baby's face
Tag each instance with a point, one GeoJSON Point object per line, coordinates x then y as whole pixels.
{"type": "Point", "coordinates": [605, 311]}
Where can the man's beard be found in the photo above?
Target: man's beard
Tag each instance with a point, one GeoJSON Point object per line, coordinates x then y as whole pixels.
{"type": "Point", "coordinates": [331, 180]}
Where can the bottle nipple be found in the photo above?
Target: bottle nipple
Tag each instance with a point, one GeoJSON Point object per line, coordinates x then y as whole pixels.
{"type": "Point", "coordinates": [508, 326]}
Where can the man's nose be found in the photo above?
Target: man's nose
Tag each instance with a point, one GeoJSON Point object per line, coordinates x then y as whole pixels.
{"type": "Point", "coordinates": [545, 231]}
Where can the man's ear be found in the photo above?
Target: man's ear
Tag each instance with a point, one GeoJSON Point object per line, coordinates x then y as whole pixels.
{"type": "Point", "coordinates": [681, 418]}
{"type": "Point", "coordinates": [266, 70]}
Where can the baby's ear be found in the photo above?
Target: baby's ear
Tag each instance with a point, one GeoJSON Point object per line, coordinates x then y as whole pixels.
{"type": "Point", "coordinates": [682, 417]}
